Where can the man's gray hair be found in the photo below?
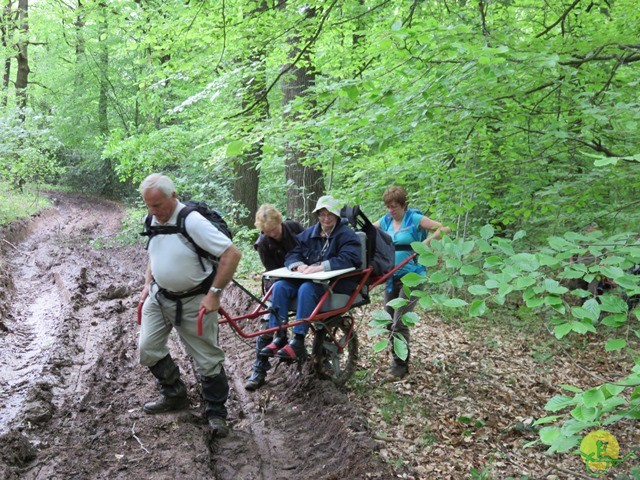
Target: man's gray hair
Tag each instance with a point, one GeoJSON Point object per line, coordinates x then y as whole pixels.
{"type": "Point", "coordinates": [157, 181]}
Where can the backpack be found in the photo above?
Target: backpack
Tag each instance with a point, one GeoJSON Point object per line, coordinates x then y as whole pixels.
{"type": "Point", "coordinates": [190, 206]}
{"type": "Point", "coordinates": [419, 235]}
{"type": "Point", "coordinates": [381, 255]}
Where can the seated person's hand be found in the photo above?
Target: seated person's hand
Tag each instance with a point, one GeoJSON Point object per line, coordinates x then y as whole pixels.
{"type": "Point", "coordinates": [306, 269]}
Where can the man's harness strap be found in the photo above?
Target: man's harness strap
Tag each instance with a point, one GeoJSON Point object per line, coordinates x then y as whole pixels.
{"type": "Point", "coordinates": [203, 288]}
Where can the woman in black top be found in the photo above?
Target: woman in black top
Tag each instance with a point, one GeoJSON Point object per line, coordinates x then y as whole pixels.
{"type": "Point", "coordinates": [277, 238]}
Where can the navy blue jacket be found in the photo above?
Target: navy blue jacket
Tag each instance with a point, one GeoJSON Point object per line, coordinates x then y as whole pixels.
{"type": "Point", "coordinates": [343, 251]}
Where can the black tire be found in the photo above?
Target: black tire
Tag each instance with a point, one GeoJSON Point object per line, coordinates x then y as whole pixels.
{"type": "Point", "coordinates": [328, 361]}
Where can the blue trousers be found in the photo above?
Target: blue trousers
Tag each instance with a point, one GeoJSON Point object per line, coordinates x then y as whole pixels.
{"type": "Point", "coordinates": [282, 296]}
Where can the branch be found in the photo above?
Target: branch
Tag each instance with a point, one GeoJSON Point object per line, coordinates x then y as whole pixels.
{"type": "Point", "coordinates": [560, 19]}
{"type": "Point", "coordinates": [290, 66]}
{"type": "Point", "coordinates": [17, 249]}
{"type": "Point", "coordinates": [133, 433]}
{"type": "Point", "coordinates": [395, 439]}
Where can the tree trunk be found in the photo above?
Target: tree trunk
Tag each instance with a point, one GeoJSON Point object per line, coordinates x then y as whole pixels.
{"type": "Point", "coordinates": [22, 75]}
{"type": "Point", "coordinates": [245, 190]}
{"type": "Point", "coordinates": [305, 183]}
{"type": "Point", "coordinates": [103, 118]}
{"type": "Point", "coordinates": [79, 25]}
{"type": "Point", "coordinates": [4, 32]}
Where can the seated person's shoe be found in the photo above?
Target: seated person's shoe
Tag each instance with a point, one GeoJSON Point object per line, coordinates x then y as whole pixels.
{"type": "Point", "coordinates": [271, 349]}
{"type": "Point", "coordinates": [256, 380]}
{"type": "Point", "coordinates": [218, 427]}
{"type": "Point", "coordinates": [293, 351]}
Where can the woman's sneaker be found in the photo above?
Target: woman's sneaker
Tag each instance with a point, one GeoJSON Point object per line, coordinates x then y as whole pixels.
{"type": "Point", "coordinates": [293, 351]}
{"type": "Point", "coordinates": [271, 349]}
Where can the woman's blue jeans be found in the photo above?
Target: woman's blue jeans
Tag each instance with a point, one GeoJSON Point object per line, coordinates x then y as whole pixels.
{"type": "Point", "coordinates": [282, 296]}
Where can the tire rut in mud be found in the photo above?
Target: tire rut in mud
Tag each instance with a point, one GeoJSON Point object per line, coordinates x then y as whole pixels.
{"type": "Point", "coordinates": [74, 389]}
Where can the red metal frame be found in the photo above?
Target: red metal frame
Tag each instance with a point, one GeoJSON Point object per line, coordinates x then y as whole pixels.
{"type": "Point", "coordinates": [366, 279]}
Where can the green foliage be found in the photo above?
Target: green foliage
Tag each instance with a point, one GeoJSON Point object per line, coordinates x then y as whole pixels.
{"type": "Point", "coordinates": [508, 124]}
{"type": "Point", "coordinates": [27, 150]}
{"type": "Point", "coordinates": [15, 205]}
{"type": "Point", "coordinates": [480, 274]}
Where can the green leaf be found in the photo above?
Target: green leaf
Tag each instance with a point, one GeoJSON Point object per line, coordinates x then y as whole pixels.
{"type": "Point", "coordinates": [612, 389]}
{"type": "Point", "coordinates": [574, 425]}
{"type": "Point", "coordinates": [478, 290]}
{"type": "Point", "coordinates": [612, 272]}
{"type": "Point", "coordinates": [470, 270]}
{"type": "Point", "coordinates": [425, 302]}
{"type": "Point", "coordinates": [400, 348]}
{"type": "Point", "coordinates": [438, 277]}
{"type": "Point", "coordinates": [615, 344]}
{"type": "Point", "coordinates": [548, 435]}
{"type": "Point", "coordinates": [584, 414]}
{"type": "Point", "coordinates": [582, 313]}
{"type": "Point", "coordinates": [525, 261]}
{"type": "Point", "coordinates": [571, 388]}
{"type": "Point", "coordinates": [428, 259]}
{"type": "Point", "coordinates": [523, 282]}
{"type": "Point", "coordinates": [453, 263]}
{"type": "Point", "coordinates": [559, 402]}
{"type": "Point", "coordinates": [493, 261]}
{"type": "Point", "coordinates": [561, 330]}
{"type": "Point", "coordinates": [593, 397]}
{"type": "Point", "coordinates": [380, 316]}
{"type": "Point", "coordinates": [593, 307]}
{"type": "Point", "coordinates": [410, 319]}
{"type": "Point", "coordinates": [397, 303]}
{"type": "Point", "coordinates": [381, 345]}
{"type": "Point", "coordinates": [455, 303]}
{"type": "Point", "coordinates": [519, 234]}
{"type": "Point", "coordinates": [564, 444]}
{"type": "Point", "coordinates": [487, 232]}
{"type": "Point", "coordinates": [553, 286]}
{"type": "Point", "coordinates": [549, 419]}
{"type": "Point", "coordinates": [477, 308]}
{"type": "Point", "coordinates": [612, 304]}
{"type": "Point", "coordinates": [534, 302]}
{"type": "Point", "coordinates": [413, 279]}
{"type": "Point", "coordinates": [377, 331]}
{"type": "Point", "coordinates": [235, 148]}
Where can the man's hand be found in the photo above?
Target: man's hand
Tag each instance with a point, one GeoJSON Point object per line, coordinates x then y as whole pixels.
{"type": "Point", "coordinates": [210, 302]}
{"type": "Point", "coordinates": [145, 293]}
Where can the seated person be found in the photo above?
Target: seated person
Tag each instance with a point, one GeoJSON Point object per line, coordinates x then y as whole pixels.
{"type": "Point", "coordinates": [277, 238]}
{"type": "Point", "coordinates": [327, 245]}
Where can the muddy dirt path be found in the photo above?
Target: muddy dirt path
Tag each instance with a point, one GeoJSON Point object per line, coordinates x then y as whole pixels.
{"type": "Point", "coordinates": [71, 389]}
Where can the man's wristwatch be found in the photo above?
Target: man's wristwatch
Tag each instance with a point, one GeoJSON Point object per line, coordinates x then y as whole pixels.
{"type": "Point", "coordinates": [216, 290]}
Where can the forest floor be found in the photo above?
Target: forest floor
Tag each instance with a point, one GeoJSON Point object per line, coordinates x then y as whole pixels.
{"type": "Point", "coordinates": [72, 391]}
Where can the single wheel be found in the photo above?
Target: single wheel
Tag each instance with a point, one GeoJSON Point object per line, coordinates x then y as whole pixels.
{"type": "Point", "coordinates": [335, 349]}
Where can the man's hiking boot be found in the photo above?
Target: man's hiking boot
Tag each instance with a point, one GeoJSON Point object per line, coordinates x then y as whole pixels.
{"type": "Point", "coordinates": [271, 349]}
{"type": "Point", "coordinates": [218, 427]}
{"type": "Point", "coordinates": [166, 404]}
{"type": "Point", "coordinates": [397, 371]}
{"type": "Point", "coordinates": [294, 350]}
{"type": "Point", "coordinates": [256, 380]}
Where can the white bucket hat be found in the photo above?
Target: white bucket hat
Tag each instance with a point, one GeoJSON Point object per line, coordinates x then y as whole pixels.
{"type": "Point", "coordinates": [330, 203]}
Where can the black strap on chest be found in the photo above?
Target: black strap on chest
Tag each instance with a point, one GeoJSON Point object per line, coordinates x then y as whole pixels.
{"type": "Point", "coordinates": [180, 227]}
